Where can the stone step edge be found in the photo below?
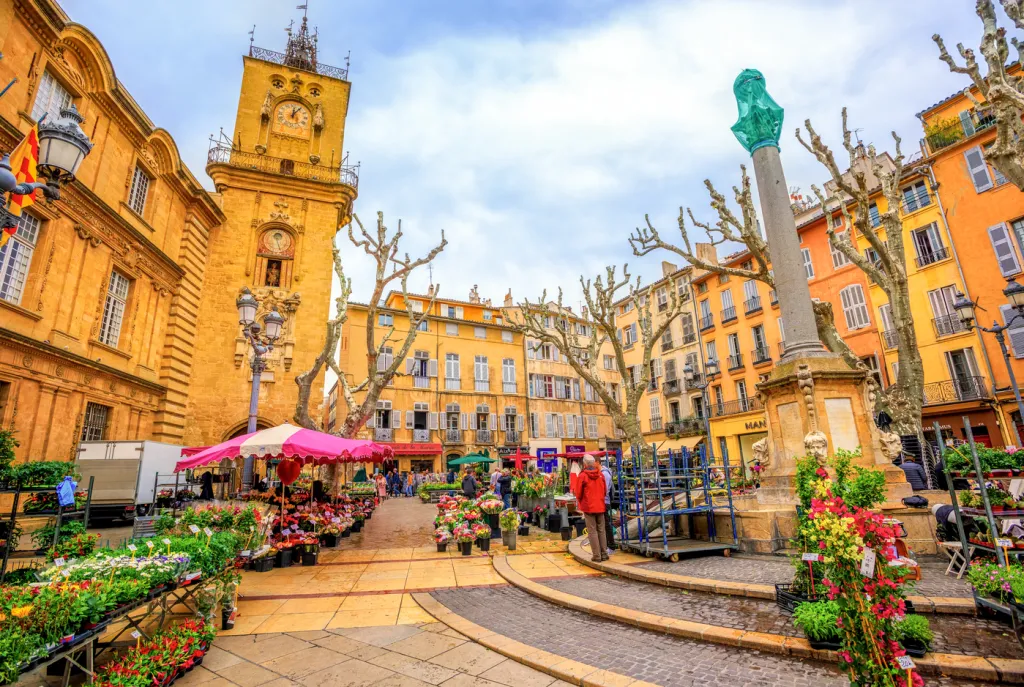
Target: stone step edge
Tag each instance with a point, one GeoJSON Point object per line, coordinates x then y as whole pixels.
{"type": "Point", "coordinates": [1007, 671]}
{"type": "Point", "coordinates": [924, 604]}
{"type": "Point", "coordinates": [556, 666]}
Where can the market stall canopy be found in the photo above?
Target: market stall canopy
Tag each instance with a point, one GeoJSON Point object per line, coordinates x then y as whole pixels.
{"type": "Point", "coordinates": [519, 458]}
{"type": "Point", "coordinates": [289, 441]}
{"type": "Point", "coordinates": [471, 459]}
{"type": "Point", "coordinates": [689, 443]}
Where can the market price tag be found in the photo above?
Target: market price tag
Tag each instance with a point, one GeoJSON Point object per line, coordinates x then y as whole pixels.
{"type": "Point", "coordinates": [1004, 543]}
{"type": "Point", "coordinates": [194, 529]}
{"type": "Point", "coordinates": [246, 553]}
{"type": "Point", "coordinates": [58, 561]}
{"type": "Point", "coordinates": [136, 634]}
{"type": "Point", "coordinates": [207, 531]}
{"type": "Point", "coordinates": [66, 573]}
{"type": "Point", "coordinates": [149, 544]}
{"type": "Point", "coordinates": [133, 548]}
{"type": "Point", "coordinates": [166, 541]}
{"type": "Point", "coordinates": [336, 521]}
{"type": "Point", "coordinates": [906, 663]}
{"type": "Point", "coordinates": [812, 557]}
{"type": "Point", "coordinates": [867, 566]}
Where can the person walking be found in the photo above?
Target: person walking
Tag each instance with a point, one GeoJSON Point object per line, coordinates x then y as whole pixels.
{"type": "Point", "coordinates": [589, 492]}
{"type": "Point", "coordinates": [382, 487]}
{"type": "Point", "coordinates": [609, 531]}
{"type": "Point", "coordinates": [402, 484]}
{"type": "Point", "coordinates": [452, 476]}
{"type": "Point", "coordinates": [469, 484]}
{"type": "Point", "coordinates": [493, 480]}
{"type": "Point", "coordinates": [915, 473]}
{"type": "Point", "coordinates": [505, 487]}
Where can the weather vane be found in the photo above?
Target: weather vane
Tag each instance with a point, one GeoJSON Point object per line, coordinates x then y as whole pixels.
{"type": "Point", "coordinates": [252, 37]}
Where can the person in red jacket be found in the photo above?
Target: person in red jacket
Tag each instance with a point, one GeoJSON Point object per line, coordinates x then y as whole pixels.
{"type": "Point", "coordinates": [589, 493]}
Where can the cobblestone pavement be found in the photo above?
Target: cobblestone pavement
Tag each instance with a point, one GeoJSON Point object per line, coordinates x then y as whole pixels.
{"type": "Point", "coordinates": [777, 570]}
{"type": "Point", "coordinates": [953, 634]}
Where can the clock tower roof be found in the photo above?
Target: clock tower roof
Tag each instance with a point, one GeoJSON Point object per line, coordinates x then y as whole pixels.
{"type": "Point", "coordinates": [300, 51]}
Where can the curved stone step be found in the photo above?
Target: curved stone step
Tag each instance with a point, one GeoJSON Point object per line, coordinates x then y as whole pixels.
{"type": "Point", "coordinates": [992, 669]}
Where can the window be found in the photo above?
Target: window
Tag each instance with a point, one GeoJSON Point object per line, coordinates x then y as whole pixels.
{"type": "Point", "coordinates": [423, 326]}
{"type": "Point", "coordinates": [662, 296]}
{"type": "Point", "coordinates": [534, 425]}
{"type": "Point", "coordinates": [655, 414]}
{"type": "Point", "coordinates": [977, 169]}
{"type": "Point", "coordinates": [385, 319]}
{"type": "Point", "coordinates": [697, 403]}
{"type": "Point", "coordinates": [873, 217]}
{"type": "Point", "coordinates": [946, 319]}
{"type": "Point", "coordinates": [591, 426]}
{"type": "Point", "coordinates": [508, 375]}
{"type": "Point", "coordinates": [629, 335]}
{"type": "Point", "coordinates": [139, 189]}
{"type": "Point", "coordinates": [871, 362]}
{"type": "Point", "coordinates": [16, 256]}
{"type": "Point", "coordinates": [452, 372]}
{"type": "Point", "coordinates": [916, 197]}
{"type": "Point", "coordinates": [417, 306]}
{"type": "Point", "coordinates": [51, 98]}
{"type": "Point", "coordinates": [506, 337]}
{"type": "Point", "coordinates": [454, 311]}
{"type": "Point", "coordinates": [666, 339]}
{"type": "Point", "coordinates": [385, 359]}
{"type": "Point", "coordinates": [480, 373]}
{"type": "Point", "coordinates": [723, 279]}
{"type": "Point", "coordinates": [113, 309]}
{"type": "Point", "coordinates": [480, 332]}
{"type": "Point", "coordinates": [839, 258]}
{"type": "Point", "coordinates": [750, 295]}
{"type": "Point", "coordinates": [702, 287]}
{"type": "Point", "coordinates": [670, 370]}
{"type": "Point", "coordinates": [94, 428]}
{"type": "Point", "coordinates": [1006, 256]}
{"type": "Point", "coordinates": [728, 308]}
{"type": "Point", "coordinates": [613, 391]}
{"type": "Point", "coordinates": [625, 307]}
{"type": "Point", "coordinates": [854, 307]}
{"type": "Point", "coordinates": [928, 243]}
{"type": "Point", "coordinates": [719, 399]}
{"type": "Point", "coordinates": [872, 255]}
{"type": "Point", "coordinates": [710, 353]}
{"type": "Point", "coordinates": [760, 344]}
{"type": "Point", "coordinates": [487, 315]}
{"type": "Point", "coordinates": [689, 335]}
{"type": "Point", "coordinates": [1018, 230]}
{"type": "Point", "coordinates": [609, 362]}
{"type": "Point", "coordinates": [451, 329]}
{"type": "Point", "coordinates": [1016, 331]}
{"type": "Point", "coordinates": [808, 265]}
{"type": "Point", "coordinates": [655, 373]}
{"type": "Point", "coordinates": [741, 394]}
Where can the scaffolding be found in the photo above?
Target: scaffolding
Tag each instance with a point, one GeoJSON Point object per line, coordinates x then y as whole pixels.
{"type": "Point", "coordinates": [668, 503]}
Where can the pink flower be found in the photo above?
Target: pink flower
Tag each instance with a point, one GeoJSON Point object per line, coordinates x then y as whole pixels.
{"type": "Point", "coordinates": [845, 655]}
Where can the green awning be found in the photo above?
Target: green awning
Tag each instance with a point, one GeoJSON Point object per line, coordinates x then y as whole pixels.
{"type": "Point", "coordinates": [471, 459]}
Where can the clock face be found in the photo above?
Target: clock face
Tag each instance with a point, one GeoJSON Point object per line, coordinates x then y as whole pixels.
{"type": "Point", "coordinates": [277, 243]}
{"type": "Point", "coordinates": [292, 119]}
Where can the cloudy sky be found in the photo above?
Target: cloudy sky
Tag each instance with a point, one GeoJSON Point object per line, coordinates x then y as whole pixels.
{"type": "Point", "coordinates": [537, 133]}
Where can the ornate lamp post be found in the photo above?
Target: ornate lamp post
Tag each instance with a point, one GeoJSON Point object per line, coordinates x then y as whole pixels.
{"type": "Point", "coordinates": [62, 147]}
{"type": "Point", "coordinates": [262, 344]}
{"type": "Point", "coordinates": [964, 307]}
{"type": "Point", "coordinates": [691, 378]}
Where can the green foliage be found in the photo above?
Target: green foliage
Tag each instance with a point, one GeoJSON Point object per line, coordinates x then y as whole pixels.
{"type": "Point", "coordinates": [509, 519]}
{"type": "Point", "coordinates": [914, 627]}
{"type": "Point", "coordinates": [958, 458]}
{"type": "Point", "coordinates": [43, 537]}
{"type": "Point", "coordinates": [44, 473]}
{"type": "Point", "coordinates": [818, 620]}
{"type": "Point", "coordinates": [866, 489]}
{"type": "Point", "coordinates": [7, 445]}
{"type": "Point", "coordinates": [805, 479]}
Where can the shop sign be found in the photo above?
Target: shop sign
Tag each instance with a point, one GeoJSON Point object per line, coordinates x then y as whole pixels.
{"type": "Point", "coordinates": [756, 424]}
{"type": "Point", "coordinates": [512, 450]}
{"type": "Point", "coordinates": [546, 462]}
{"type": "Point", "coordinates": [575, 448]}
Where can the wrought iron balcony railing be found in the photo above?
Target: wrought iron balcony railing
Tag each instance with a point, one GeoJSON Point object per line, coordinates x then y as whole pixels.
{"type": "Point", "coordinates": [279, 58]}
{"type": "Point", "coordinates": [508, 387]}
{"type": "Point", "coordinates": [421, 436]}
{"type": "Point", "coordinates": [707, 322]}
{"type": "Point", "coordinates": [728, 314]}
{"type": "Point", "coordinates": [915, 201]}
{"type": "Point", "coordinates": [421, 382]}
{"type": "Point", "coordinates": [761, 355]}
{"type": "Point", "coordinates": [947, 325]}
{"type": "Point", "coordinates": [933, 257]}
{"type": "Point", "coordinates": [695, 383]}
{"type": "Point", "coordinates": [656, 423]}
{"type": "Point", "coordinates": [673, 387]}
{"type": "Point", "coordinates": [512, 437]}
{"type": "Point", "coordinates": [743, 405]}
{"type": "Point", "coordinates": [383, 434]}
{"type": "Point", "coordinates": [735, 361]}
{"type": "Point", "coordinates": [948, 134]}
{"type": "Point", "coordinates": [221, 153]}
{"type": "Point", "coordinates": [481, 385]}
{"type": "Point", "coordinates": [951, 390]}
{"type": "Point", "coordinates": [686, 426]}
{"type": "Point", "coordinates": [889, 338]}
{"type": "Point", "coordinates": [484, 436]}
{"type": "Point", "coordinates": [752, 305]}
{"type": "Point", "coordinates": [453, 436]}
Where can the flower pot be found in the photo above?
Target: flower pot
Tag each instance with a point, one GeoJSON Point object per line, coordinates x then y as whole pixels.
{"type": "Point", "coordinates": [309, 558]}
{"type": "Point", "coordinates": [566, 533]}
{"type": "Point", "coordinates": [511, 545]}
{"type": "Point", "coordinates": [484, 544]}
{"type": "Point", "coordinates": [357, 526]}
{"type": "Point", "coordinates": [329, 539]}
{"type": "Point", "coordinates": [265, 564]}
{"type": "Point", "coordinates": [346, 533]}
{"type": "Point", "coordinates": [997, 509]}
{"type": "Point", "coordinates": [442, 547]}
{"type": "Point", "coordinates": [466, 547]}
{"type": "Point", "coordinates": [283, 559]}
{"type": "Point", "coordinates": [554, 522]}
{"type": "Point", "coordinates": [495, 532]}
{"type": "Point", "coordinates": [580, 525]}
{"type": "Point", "coordinates": [914, 647]}
{"type": "Point", "coordinates": [492, 520]}
{"type": "Point", "coordinates": [227, 619]}
{"type": "Point", "coordinates": [524, 530]}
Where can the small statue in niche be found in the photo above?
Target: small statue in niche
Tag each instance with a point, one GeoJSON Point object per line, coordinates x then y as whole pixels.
{"type": "Point", "coordinates": [267, 104]}
{"type": "Point", "coordinates": [273, 273]}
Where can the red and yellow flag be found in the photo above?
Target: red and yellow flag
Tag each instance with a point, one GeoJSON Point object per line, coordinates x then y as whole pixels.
{"type": "Point", "coordinates": [23, 163]}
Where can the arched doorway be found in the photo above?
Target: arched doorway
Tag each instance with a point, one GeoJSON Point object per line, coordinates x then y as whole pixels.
{"type": "Point", "coordinates": [241, 428]}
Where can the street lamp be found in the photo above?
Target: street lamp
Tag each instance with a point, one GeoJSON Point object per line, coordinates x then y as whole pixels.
{"type": "Point", "coordinates": [693, 381]}
{"type": "Point", "coordinates": [965, 309]}
{"type": "Point", "coordinates": [262, 344]}
{"type": "Point", "coordinates": [62, 147]}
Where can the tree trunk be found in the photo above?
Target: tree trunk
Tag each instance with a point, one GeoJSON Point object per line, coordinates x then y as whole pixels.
{"type": "Point", "coordinates": [829, 335]}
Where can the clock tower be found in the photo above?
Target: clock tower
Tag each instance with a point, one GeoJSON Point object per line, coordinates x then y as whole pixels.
{"type": "Point", "coordinates": [285, 187]}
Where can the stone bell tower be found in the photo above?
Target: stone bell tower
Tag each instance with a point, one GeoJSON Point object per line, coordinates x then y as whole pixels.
{"type": "Point", "coordinates": [285, 186]}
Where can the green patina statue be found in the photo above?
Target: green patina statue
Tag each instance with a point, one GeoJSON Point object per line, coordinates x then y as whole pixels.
{"type": "Point", "coordinates": [760, 118]}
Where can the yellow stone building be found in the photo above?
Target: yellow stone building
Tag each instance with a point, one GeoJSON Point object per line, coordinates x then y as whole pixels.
{"type": "Point", "coordinates": [461, 388]}
{"type": "Point", "coordinates": [98, 291]}
{"type": "Point", "coordinates": [285, 193]}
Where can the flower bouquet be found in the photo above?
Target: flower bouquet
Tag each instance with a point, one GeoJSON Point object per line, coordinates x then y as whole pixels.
{"type": "Point", "coordinates": [442, 535]}
{"type": "Point", "coordinates": [464, 536]}
{"type": "Point", "coordinates": [490, 504]}
{"type": "Point", "coordinates": [524, 523]}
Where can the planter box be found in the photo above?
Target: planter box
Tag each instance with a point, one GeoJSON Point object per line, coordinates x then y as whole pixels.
{"type": "Point", "coordinates": [788, 600]}
{"type": "Point", "coordinates": [914, 648]}
{"type": "Point", "coordinates": [265, 564]}
{"type": "Point", "coordinates": [283, 559]}
{"type": "Point", "coordinates": [309, 558]}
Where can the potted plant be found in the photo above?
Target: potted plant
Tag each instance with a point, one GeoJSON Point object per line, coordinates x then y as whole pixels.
{"type": "Point", "coordinates": [998, 498]}
{"type": "Point", "coordinates": [491, 507]}
{"type": "Point", "coordinates": [818, 620]}
{"type": "Point", "coordinates": [482, 532]}
{"type": "Point", "coordinates": [464, 536]}
{"type": "Point", "coordinates": [283, 557]}
{"type": "Point", "coordinates": [357, 520]}
{"type": "Point", "coordinates": [914, 633]}
{"type": "Point", "coordinates": [509, 521]}
{"type": "Point", "coordinates": [329, 534]}
{"type": "Point", "coordinates": [524, 524]}
{"type": "Point", "coordinates": [263, 561]}
{"type": "Point", "coordinates": [441, 537]}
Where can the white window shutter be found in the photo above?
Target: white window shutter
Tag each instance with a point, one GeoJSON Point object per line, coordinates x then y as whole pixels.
{"type": "Point", "coordinates": [396, 419]}
{"type": "Point", "coordinates": [472, 421]}
{"type": "Point", "coordinates": [381, 365]}
{"type": "Point", "coordinates": [458, 312]}
{"type": "Point", "coordinates": [1005, 254]}
{"type": "Point", "coordinates": [977, 168]}
{"type": "Point", "coordinates": [1016, 333]}
{"type": "Point", "coordinates": [432, 368]}
{"type": "Point", "coordinates": [408, 419]}
{"type": "Point", "coordinates": [492, 422]}
{"type": "Point", "coordinates": [409, 362]}
{"type": "Point", "coordinates": [967, 123]}
{"type": "Point", "coordinates": [371, 423]}
{"type": "Point", "coordinates": [519, 423]}
{"type": "Point", "coordinates": [432, 420]}
{"type": "Point", "coordinates": [534, 425]}
{"type": "Point", "coordinates": [463, 421]}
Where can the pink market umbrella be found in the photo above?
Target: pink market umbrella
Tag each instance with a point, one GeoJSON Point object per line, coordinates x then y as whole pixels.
{"type": "Point", "coordinates": [288, 441]}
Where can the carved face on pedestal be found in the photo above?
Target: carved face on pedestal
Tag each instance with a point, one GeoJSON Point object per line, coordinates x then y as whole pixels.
{"type": "Point", "coordinates": [891, 445]}
{"type": "Point", "coordinates": [816, 444]}
{"type": "Point", "coordinates": [760, 449]}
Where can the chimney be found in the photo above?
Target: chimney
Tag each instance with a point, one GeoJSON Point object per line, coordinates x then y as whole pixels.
{"type": "Point", "coordinates": [707, 253]}
{"type": "Point", "coordinates": [430, 290]}
{"type": "Point", "coordinates": [668, 268]}
{"type": "Point", "coordinates": [508, 299]}
{"type": "Point", "coordinates": [585, 311]}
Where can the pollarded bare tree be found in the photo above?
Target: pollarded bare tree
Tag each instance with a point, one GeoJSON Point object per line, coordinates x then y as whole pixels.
{"type": "Point", "coordinates": [600, 317]}
{"type": "Point", "coordinates": [1001, 90]}
{"type": "Point", "coordinates": [850, 197]}
{"type": "Point", "coordinates": [389, 269]}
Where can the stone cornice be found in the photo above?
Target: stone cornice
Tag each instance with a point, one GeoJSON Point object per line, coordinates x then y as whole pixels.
{"type": "Point", "coordinates": [41, 347]}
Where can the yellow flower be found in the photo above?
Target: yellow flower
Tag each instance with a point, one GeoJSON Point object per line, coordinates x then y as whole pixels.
{"type": "Point", "coordinates": [21, 611]}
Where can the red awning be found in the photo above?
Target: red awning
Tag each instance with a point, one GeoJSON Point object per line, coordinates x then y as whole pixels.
{"type": "Point", "coordinates": [596, 454]}
{"type": "Point", "coordinates": [416, 449]}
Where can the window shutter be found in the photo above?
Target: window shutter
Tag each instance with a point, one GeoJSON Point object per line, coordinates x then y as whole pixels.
{"type": "Point", "coordinates": [492, 422]}
{"type": "Point", "coordinates": [472, 420]}
{"type": "Point", "coordinates": [487, 373]}
{"type": "Point", "coordinates": [372, 421]}
{"type": "Point", "coordinates": [977, 168]}
{"type": "Point", "coordinates": [570, 426]}
{"type": "Point", "coordinates": [396, 419]}
{"type": "Point", "coordinates": [657, 367]}
{"type": "Point", "coordinates": [432, 420]}
{"type": "Point", "coordinates": [559, 428]}
{"type": "Point", "coordinates": [1015, 333]}
{"type": "Point", "coordinates": [519, 423]}
{"type": "Point", "coordinates": [463, 421]}
{"type": "Point", "coordinates": [967, 123]}
{"type": "Point", "coordinates": [432, 368]}
{"type": "Point", "coordinates": [381, 365]}
{"type": "Point", "coordinates": [409, 362]}
{"type": "Point", "coordinates": [534, 425]}
{"type": "Point", "coordinates": [408, 419]}
{"type": "Point", "coordinates": [1005, 255]}
{"type": "Point", "coordinates": [458, 312]}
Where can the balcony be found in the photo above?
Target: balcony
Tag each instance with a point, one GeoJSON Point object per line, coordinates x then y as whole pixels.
{"type": "Point", "coordinates": [948, 325]}
{"type": "Point", "coordinates": [685, 427]}
{"type": "Point", "coordinates": [656, 424]}
{"type": "Point", "coordinates": [918, 200]}
{"type": "Point", "coordinates": [729, 314]}
{"type": "Point", "coordinates": [512, 437]}
{"type": "Point", "coordinates": [484, 436]}
{"type": "Point", "coordinates": [452, 384]}
{"type": "Point", "coordinates": [929, 258]}
{"type": "Point", "coordinates": [761, 355]}
{"type": "Point", "coordinates": [383, 434]}
{"type": "Point", "coordinates": [694, 384]}
{"type": "Point", "coordinates": [953, 130]}
{"type": "Point", "coordinates": [282, 59]}
{"type": "Point", "coordinates": [224, 154]}
{"type": "Point", "coordinates": [743, 405]}
{"type": "Point", "coordinates": [508, 387]}
{"type": "Point", "coordinates": [421, 382]}
{"type": "Point", "coordinates": [689, 339]}
{"type": "Point", "coordinates": [890, 339]}
{"type": "Point", "coordinates": [481, 385]}
{"type": "Point", "coordinates": [653, 384]}
{"type": "Point", "coordinates": [735, 361]}
{"type": "Point", "coordinates": [706, 322]}
{"type": "Point", "coordinates": [421, 436]}
{"type": "Point", "coordinates": [952, 390]}
{"type": "Point", "coordinates": [752, 305]}
{"type": "Point", "coordinates": [673, 387]}
{"type": "Point", "coordinates": [453, 436]}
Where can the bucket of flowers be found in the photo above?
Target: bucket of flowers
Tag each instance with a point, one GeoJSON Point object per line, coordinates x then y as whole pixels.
{"type": "Point", "coordinates": [310, 547]}
{"type": "Point", "coordinates": [164, 498]}
{"type": "Point", "coordinates": [524, 523]}
{"type": "Point", "coordinates": [490, 505]}
{"type": "Point", "coordinates": [263, 559]}
{"type": "Point", "coordinates": [330, 532]}
{"type": "Point", "coordinates": [358, 517]}
{"type": "Point", "coordinates": [442, 535]}
{"type": "Point", "coordinates": [509, 520]}
{"type": "Point", "coordinates": [283, 557]}
{"type": "Point", "coordinates": [482, 532]}
{"type": "Point", "coordinates": [464, 536]}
